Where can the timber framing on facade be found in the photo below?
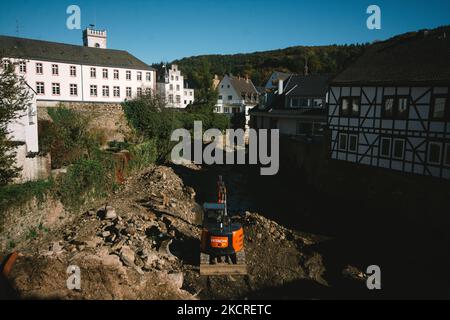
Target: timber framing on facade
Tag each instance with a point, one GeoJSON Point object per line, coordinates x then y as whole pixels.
{"type": "Point", "coordinates": [398, 118]}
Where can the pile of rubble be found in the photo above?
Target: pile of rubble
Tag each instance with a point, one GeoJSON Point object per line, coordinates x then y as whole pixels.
{"type": "Point", "coordinates": [144, 244]}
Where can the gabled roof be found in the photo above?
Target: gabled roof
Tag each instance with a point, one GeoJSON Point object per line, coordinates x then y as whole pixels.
{"type": "Point", "coordinates": [421, 57]}
{"type": "Point", "coordinates": [280, 75]}
{"type": "Point", "coordinates": [13, 47]}
{"type": "Point", "coordinates": [242, 85]}
{"type": "Point", "coordinates": [311, 86]}
{"type": "Point", "coordinates": [307, 86]}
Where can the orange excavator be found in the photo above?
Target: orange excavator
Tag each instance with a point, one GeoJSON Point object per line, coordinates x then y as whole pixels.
{"type": "Point", "coordinates": [222, 243]}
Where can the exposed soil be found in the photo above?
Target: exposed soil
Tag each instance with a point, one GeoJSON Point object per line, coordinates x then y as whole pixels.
{"type": "Point", "coordinates": [144, 244]}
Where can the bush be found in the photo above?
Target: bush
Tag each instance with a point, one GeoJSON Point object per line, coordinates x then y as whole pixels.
{"type": "Point", "coordinates": [84, 181]}
{"type": "Point", "coordinates": [143, 155]}
{"type": "Point", "coordinates": [67, 137]}
{"type": "Point", "coordinates": [17, 194]}
{"type": "Point", "coordinates": [148, 116]}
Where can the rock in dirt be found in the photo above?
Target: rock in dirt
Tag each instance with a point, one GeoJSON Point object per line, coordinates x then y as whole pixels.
{"type": "Point", "coordinates": [107, 213]}
{"type": "Point", "coordinates": [127, 256]}
{"type": "Point", "coordinates": [176, 279]}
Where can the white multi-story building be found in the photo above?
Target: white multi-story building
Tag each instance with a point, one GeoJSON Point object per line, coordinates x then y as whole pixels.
{"type": "Point", "coordinates": [68, 73]}
{"type": "Point", "coordinates": [172, 87]}
{"type": "Point", "coordinates": [236, 95]}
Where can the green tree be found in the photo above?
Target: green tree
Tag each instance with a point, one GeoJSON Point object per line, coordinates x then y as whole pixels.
{"type": "Point", "coordinates": [15, 99]}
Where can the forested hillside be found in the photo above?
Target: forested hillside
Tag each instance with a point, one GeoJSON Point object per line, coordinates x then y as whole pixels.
{"type": "Point", "coordinates": [199, 70]}
{"type": "Point", "coordinates": [259, 65]}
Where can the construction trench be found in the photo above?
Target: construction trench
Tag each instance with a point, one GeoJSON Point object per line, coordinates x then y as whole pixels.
{"type": "Point", "coordinates": [144, 243]}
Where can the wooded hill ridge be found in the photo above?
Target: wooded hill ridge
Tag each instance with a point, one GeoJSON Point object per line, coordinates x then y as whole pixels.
{"type": "Point", "coordinates": [258, 66]}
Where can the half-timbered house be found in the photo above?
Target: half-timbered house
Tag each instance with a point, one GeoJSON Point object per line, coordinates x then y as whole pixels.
{"type": "Point", "coordinates": [391, 109]}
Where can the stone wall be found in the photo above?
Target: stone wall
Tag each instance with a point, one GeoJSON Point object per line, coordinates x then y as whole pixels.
{"type": "Point", "coordinates": [20, 222]}
{"type": "Point", "coordinates": [107, 117]}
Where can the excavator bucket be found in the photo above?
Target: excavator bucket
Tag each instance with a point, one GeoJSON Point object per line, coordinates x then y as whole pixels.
{"type": "Point", "coordinates": [222, 270]}
{"type": "Point", "coordinates": [231, 268]}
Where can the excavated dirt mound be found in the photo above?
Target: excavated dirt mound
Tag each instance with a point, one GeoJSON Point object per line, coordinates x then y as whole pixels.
{"type": "Point", "coordinates": [144, 244]}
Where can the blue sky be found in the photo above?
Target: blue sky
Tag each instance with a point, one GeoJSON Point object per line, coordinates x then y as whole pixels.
{"type": "Point", "coordinates": [156, 30]}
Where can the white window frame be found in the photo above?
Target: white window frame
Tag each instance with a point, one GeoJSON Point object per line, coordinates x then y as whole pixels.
{"type": "Point", "coordinates": [22, 67]}
{"type": "Point", "coordinates": [129, 92]}
{"type": "Point", "coordinates": [447, 151]}
{"type": "Point", "coordinates": [40, 85]}
{"type": "Point", "coordinates": [148, 76]}
{"type": "Point", "coordinates": [128, 75]}
{"type": "Point", "coordinates": [356, 144]}
{"type": "Point", "coordinates": [105, 73]}
{"type": "Point", "coordinates": [93, 90]}
{"type": "Point", "coordinates": [381, 147]}
{"type": "Point", "coordinates": [93, 73]}
{"type": "Point", "coordinates": [73, 71]}
{"type": "Point", "coordinates": [73, 90]}
{"type": "Point", "coordinates": [105, 91]}
{"type": "Point", "coordinates": [116, 91]}
{"type": "Point", "coordinates": [429, 152]}
{"type": "Point", "coordinates": [39, 68]}
{"type": "Point", "coordinates": [139, 92]}
{"type": "Point", "coordinates": [57, 86]}
{"type": "Point", "coordinates": [403, 150]}
{"type": "Point", "coordinates": [346, 141]}
{"type": "Point", "coordinates": [116, 74]}
{"type": "Point", "coordinates": [139, 76]}
{"type": "Point", "coordinates": [55, 70]}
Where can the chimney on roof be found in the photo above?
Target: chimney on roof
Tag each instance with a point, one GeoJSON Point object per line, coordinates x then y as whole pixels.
{"type": "Point", "coordinates": [280, 87]}
{"type": "Point", "coordinates": [306, 70]}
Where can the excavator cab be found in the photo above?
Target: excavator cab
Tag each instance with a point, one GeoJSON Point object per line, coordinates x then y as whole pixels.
{"type": "Point", "coordinates": [222, 242]}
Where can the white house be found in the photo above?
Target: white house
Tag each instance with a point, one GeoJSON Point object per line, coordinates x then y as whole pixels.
{"type": "Point", "coordinates": [69, 73]}
{"type": "Point", "coordinates": [296, 108]}
{"type": "Point", "coordinates": [236, 95]}
{"type": "Point", "coordinates": [391, 109]}
{"type": "Point", "coordinates": [23, 132]}
{"type": "Point", "coordinates": [172, 86]}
